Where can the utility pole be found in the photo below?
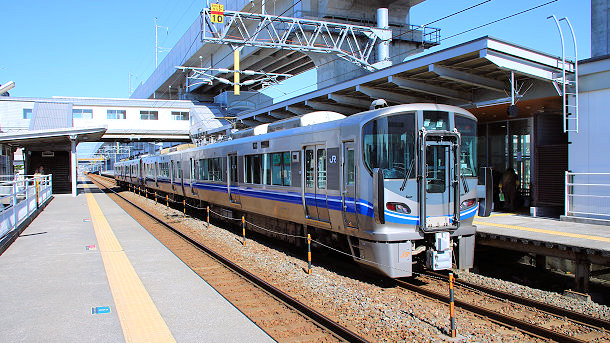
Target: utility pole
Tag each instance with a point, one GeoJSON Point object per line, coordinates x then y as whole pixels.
{"type": "Point", "coordinates": [157, 48]}
{"type": "Point", "coordinates": [130, 89]}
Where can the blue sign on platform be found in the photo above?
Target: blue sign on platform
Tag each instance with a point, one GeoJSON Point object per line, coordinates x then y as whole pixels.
{"type": "Point", "coordinates": [100, 310]}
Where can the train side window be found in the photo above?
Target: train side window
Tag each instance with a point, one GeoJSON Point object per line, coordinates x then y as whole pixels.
{"type": "Point", "coordinates": [309, 168]}
{"type": "Point", "coordinates": [286, 169]}
{"type": "Point", "coordinates": [252, 169]}
{"type": "Point", "coordinates": [247, 170]}
{"type": "Point", "coordinates": [349, 161]}
{"type": "Point", "coordinates": [211, 169]}
{"type": "Point", "coordinates": [321, 157]}
{"type": "Point", "coordinates": [267, 169]}
{"type": "Point", "coordinates": [276, 169]}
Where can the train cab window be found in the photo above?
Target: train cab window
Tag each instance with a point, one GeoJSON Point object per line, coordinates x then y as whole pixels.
{"type": "Point", "coordinates": [388, 144]}
{"type": "Point", "coordinates": [321, 157]}
{"type": "Point", "coordinates": [468, 147]}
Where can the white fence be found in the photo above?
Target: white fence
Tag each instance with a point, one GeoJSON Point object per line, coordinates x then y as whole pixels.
{"type": "Point", "coordinates": [20, 196]}
{"type": "Point", "coordinates": [587, 195]}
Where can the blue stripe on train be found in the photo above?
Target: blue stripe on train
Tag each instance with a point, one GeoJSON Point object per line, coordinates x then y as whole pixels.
{"type": "Point", "coordinates": [332, 202]}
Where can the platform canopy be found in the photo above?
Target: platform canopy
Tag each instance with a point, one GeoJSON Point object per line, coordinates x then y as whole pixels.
{"type": "Point", "coordinates": [52, 139]}
{"type": "Point", "coordinates": [63, 139]}
{"type": "Point", "coordinates": [471, 75]}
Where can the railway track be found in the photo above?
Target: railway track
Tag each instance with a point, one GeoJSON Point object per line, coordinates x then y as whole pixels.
{"type": "Point", "coordinates": [526, 315]}
{"type": "Point", "coordinates": [284, 318]}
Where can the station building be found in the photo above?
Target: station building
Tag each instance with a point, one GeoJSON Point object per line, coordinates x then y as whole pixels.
{"type": "Point", "coordinates": [47, 130]}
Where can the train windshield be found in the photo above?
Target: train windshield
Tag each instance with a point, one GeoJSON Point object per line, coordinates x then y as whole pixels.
{"type": "Point", "coordinates": [468, 154]}
{"type": "Point", "coordinates": [388, 144]}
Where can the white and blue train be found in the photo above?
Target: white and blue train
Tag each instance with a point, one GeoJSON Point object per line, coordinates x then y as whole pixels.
{"type": "Point", "coordinates": [392, 186]}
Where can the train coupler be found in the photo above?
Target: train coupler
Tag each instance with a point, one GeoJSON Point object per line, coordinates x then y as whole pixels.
{"type": "Point", "coordinates": [439, 257]}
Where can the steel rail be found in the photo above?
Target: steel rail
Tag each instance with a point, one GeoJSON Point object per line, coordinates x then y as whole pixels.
{"type": "Point", "coordinates": [577, 317]}
{"type": "Point", "coordinates": [494, 316]}
{"type": "Point", "coordinates": [316, 316]}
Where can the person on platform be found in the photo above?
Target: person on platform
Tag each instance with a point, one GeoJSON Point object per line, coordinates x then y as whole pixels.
{"type": "Point", "coordinates": [509, 188]}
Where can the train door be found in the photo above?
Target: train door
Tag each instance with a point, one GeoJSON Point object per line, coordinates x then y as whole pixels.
{"type": "Point", "coordinates": [349, 186]}
{"type": "Point", "coordinates": [315, 183]}
{"type": "Point", "coordinates": [439, 204]}
{"type": "Point", "coordinates": [172, 174]}
{"type": "Point", "coordinates": [140, 173]}
{"type": "Point", "coordinates": [180, 177]}
{"type": "Point", "coordinates": [233, 179]}
{"type": "Point", "coordinates": [194, 170]}
{"type": "Point", "coordinates": [156, 171]}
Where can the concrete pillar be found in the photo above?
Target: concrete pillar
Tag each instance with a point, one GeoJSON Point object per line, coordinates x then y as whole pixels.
{"type": "Point", "coordinates": [582, 275]}
{"type": "Point", "coordinates": [73, 163]}
{"type": "Point", "coordinates": [600, 35]}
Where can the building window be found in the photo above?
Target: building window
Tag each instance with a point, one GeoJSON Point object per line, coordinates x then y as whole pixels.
{"type": "Point", "coordinates": [149, 115]}
{"type": "Point", "coordinates": [116, 114]}
{"type": "Point", "coordinates": [82, 114]}
{"type": "Point", "coordinates": [27, 113]}
{"type": "Point", "coordinates": [180, 116]}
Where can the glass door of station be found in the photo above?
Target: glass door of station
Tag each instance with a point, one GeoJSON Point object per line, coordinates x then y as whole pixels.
{"type": "Point", "coordinates": [507, 144]}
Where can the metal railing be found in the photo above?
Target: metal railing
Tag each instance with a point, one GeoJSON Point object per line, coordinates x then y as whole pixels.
{"type": "Point", "coordinates": [587, 195]}
{"type": "Point", "coordinates": [20, 196]}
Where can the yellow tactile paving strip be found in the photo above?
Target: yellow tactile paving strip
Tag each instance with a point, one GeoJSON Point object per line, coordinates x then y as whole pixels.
{"type": "Point", "coordinates": [139, 317]}
{"type": "Point", "coordinates": [549, 232]}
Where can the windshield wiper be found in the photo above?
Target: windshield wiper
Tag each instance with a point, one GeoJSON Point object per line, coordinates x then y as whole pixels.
{"type": "Point", "coordinates": [404, 181]}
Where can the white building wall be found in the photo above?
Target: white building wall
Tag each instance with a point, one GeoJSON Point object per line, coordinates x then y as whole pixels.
{"type": "Point", "coordinates": [132, 120]}
{"type": "Point", "coordinates": [589, 148]}
{"type": "Point", "coordinates": [11, 115]}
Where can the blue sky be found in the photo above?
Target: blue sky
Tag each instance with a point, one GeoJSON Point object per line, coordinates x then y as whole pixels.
{"type": "Point", "coordinates": [89, 48]}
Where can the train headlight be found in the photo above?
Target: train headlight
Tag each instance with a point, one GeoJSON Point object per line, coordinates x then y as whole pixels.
{"type": "Point", "coordinates": [398, 207]}
{"type": "Point", "coordinates": [467, 203]}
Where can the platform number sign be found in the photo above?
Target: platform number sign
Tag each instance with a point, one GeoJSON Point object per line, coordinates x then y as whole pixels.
{"type": "Point", "coordinates": [217, 13]}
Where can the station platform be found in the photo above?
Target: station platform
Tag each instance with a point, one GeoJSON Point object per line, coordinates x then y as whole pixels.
{"type": "Point", "coordinates": [84, 270]}
{"type": "Point", "coordinates": [585, 244]}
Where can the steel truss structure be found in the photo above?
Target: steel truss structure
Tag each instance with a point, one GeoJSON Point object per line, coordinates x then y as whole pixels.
{"type": "Point", "coordinates": [196, 76]}
{"type": "Point", "coordinates": [352, 43]}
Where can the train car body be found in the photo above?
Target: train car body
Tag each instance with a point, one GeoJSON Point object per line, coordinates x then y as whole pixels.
{"type": "Point", "coordinates": [389, 186]}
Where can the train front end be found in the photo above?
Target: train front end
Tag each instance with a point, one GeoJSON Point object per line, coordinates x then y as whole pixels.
{"type": "Point", "coordinates": [421, 162]}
